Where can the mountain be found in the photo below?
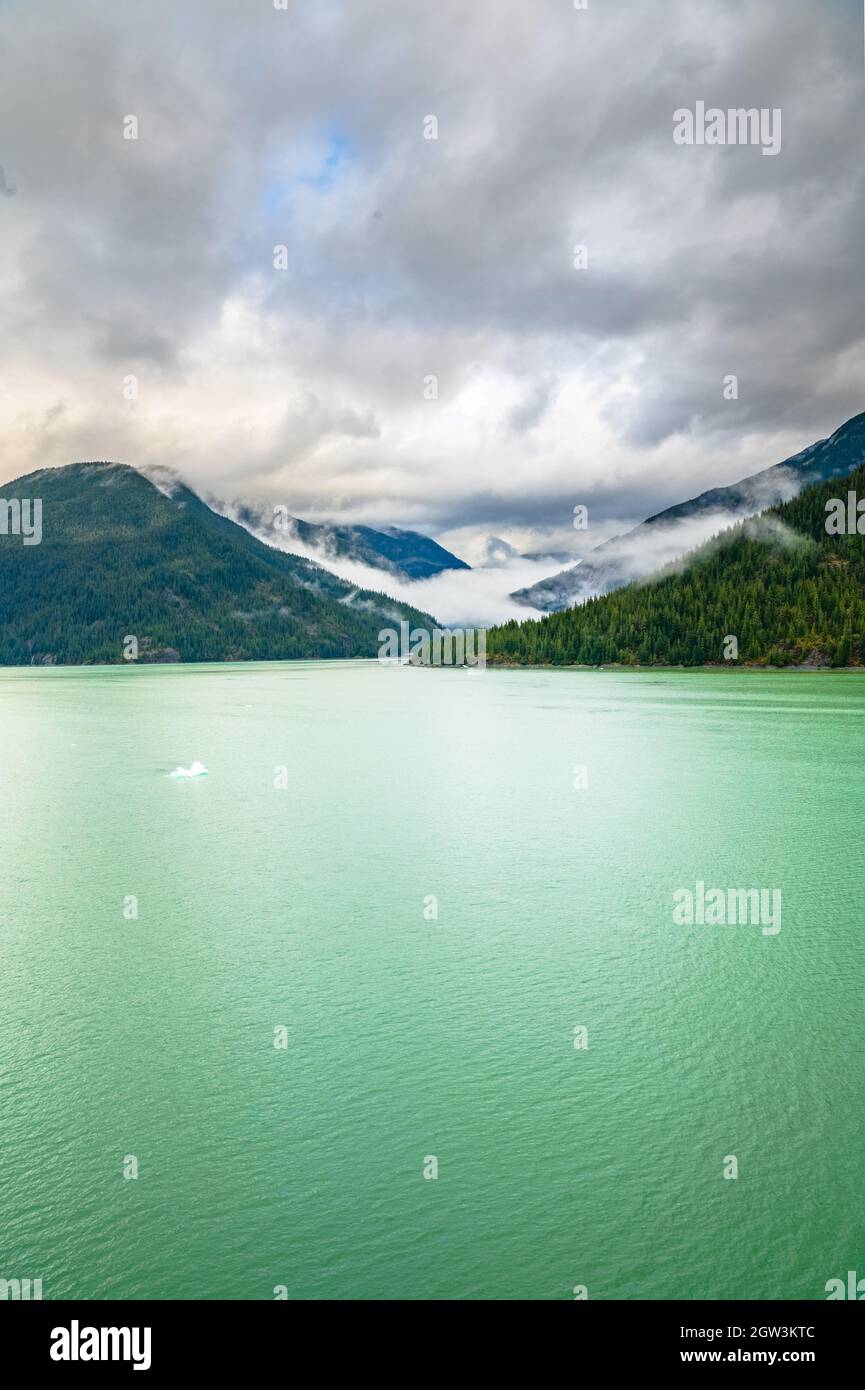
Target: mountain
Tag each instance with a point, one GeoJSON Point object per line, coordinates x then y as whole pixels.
{"type": "Point", "coordinates": [403, 554]}
{"type": "Point", "coordinates": [788, 592]}
{"type": "Point", "coordinates": [670, 533]}
{"type": "Point", "coordinates": [122, 556]}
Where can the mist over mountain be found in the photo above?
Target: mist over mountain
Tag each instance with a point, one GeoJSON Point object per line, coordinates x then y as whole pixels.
{"type": "Point", "coordinates": [671, 533]}
{"type": "Point", "coordinates": [405, 555]}
{"type": "Point", "coordinates": [126, 556]}
{"type": "Point", "coordinates": [777, 585]}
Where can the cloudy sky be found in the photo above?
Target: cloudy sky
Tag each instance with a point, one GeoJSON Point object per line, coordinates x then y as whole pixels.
{"type": "Point", "coordinates": [407, 257]}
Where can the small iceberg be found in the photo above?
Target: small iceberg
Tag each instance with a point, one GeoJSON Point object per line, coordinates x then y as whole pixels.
{"type": "Point", "coordinates": [197, 770]}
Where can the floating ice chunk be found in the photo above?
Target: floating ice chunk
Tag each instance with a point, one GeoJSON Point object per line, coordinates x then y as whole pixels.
{"type": "Point", "coordinates": [197, 770]}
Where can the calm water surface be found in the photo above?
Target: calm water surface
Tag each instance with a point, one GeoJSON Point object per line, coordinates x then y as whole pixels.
{"type": "Point", "coordinates": [302, 906]}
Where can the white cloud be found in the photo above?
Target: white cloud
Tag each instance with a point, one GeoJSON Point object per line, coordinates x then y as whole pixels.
{"type": "Point", "coordinates": [408, 257]}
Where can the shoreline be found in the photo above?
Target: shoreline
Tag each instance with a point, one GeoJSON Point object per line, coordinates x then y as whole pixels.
{"type": "Point", "coordinates": [611, 667]}
{"type": "Point", "coordinates": [726, 669]}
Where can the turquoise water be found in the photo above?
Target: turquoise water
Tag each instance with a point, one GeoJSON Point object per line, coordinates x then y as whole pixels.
{"type": "Point", "coordinates": [303, 906]}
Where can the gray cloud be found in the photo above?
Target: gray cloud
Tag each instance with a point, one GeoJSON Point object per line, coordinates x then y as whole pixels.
{"type": "Point", "coordinates": [530, 411]}
{"type": "Point", "coordinates": [409, 257]}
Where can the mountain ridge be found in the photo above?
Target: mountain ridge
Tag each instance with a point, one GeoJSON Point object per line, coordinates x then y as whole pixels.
{"type": "Point", "coordinates": [121, 556]}
{"type": "Point", "coordinates": [786, 590]}
{"type": "Point", "coordinates": [402, 554]}
{"type": "Point", "coordinates": [611, 565]}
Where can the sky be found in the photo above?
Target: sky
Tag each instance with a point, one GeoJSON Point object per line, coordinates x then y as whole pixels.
{"type": "Point", "coordinates": [146, 316]}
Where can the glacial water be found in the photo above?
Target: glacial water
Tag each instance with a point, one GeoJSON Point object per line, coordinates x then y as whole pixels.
{"type": "Point", "coordinates": [291, 889]}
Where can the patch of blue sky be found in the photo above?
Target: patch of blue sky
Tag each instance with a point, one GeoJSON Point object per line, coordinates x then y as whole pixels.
{"type": "Point", "coordinates": [334, 153]}
{"type": "Point", "coordinates": [338, 152]}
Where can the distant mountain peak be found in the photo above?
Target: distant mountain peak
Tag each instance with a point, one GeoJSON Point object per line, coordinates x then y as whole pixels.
{"type": "Point", "coordinates": [677, 529]}
{"type": "Point", "coordinates": [402, 554]}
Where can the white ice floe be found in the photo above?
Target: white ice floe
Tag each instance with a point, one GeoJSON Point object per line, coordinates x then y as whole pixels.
{"type": "Point", "coordinates": [197, 770]}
